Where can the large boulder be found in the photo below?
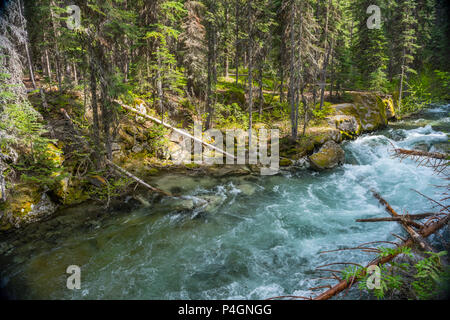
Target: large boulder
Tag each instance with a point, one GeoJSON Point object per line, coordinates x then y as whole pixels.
{"type": "Point", "coordinates": [329, 156]}
{"type": "Point", "coordinates": [347, 125]}
{"type": "Point", "coordinates": [369, 110]}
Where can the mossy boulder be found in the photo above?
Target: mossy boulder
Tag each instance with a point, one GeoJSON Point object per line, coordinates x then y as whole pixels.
{"type": "Point", "coordinates": [326, 134]}
{"type": "Point", "coordinates": [390, 110]}
{"type": "Point", "coordinates": [329, 156]}
{"type": "Point", "coordinates": [368, 109]}
{"type": "Point", "coordinates": [347, 125]}
{"type": "Point", "coordinates": [300, 148]}
{"type": "Point", "coordinates": [25, 204]}
{"type": "Point", "coordinates": [285, 162]}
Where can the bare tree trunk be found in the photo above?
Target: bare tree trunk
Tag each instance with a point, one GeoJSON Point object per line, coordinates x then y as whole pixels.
{"type": "Point", "coordinates": [292, 77]}
{"type": "Point", "coordinates": [401, 81]}
{"type": "Point", "coordinates": [332, 74]}
{"type": "Point", "coordinates": [27, 50]}
{"type": "Point", "coordinates": [75, 76]}
{"type": "Point", "coordinates": [226, 51]}
{"type": "Point", "coordinates": [57, 54]}
{"type": "Point", "coordinates": [325, 64]}
{"type": "Point", "coordinates": [106, 119]}
{"type": "Point", "coordinates": [93, 85]}
{"type": "Point", "coordinates": [47, 63]}
{"type": "Point", "coordinates": [342, 285]}
{"type": "Point", "coordinates": [250, 75]}
{"type": "Point", "coordinates": [260, 80]}
{"type": "Point", "coordinates": [159, 87]}
{"type": "Point", "coordinates": [236, 62]}
{"type": "Point", "coordinates": [211, 76]}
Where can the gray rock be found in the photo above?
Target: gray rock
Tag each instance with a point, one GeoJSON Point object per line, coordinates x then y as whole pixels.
{"type": "Point", "coordinates": [344, 123]}
{"type": "Point", "coordinates": [329, 156]}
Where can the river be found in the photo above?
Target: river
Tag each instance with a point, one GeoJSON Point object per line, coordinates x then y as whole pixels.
{"type": "Point", "coordinates": [259, 237]}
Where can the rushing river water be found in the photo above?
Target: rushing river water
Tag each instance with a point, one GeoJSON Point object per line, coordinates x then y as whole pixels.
{"type": "Point", "coordinates": [259, 237]}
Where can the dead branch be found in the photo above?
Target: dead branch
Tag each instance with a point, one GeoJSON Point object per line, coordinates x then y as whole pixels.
{"type": "Point", "coordinates": [414, 235]}
{"type": "Point", "coordinates": [401, 219]}
{"type": "Point", "coordinates": [420, 153]}
{"type": "Point", "coordinates": [439, 162]}
{"type": "Point", "coordinates": [320, 287]}
{"type": "Point", "coordinates": [334, 263]}
{"type": "Point", "coordinates": [182, 132]}
{"type": "Point", "coordinates": [427, 231]}
{"type": "Point", "coordinates": [355, 248]}
{"type": "Point", "coordinates": [446, 208]}
{"type": "Point", "coordinates": [141, 182]}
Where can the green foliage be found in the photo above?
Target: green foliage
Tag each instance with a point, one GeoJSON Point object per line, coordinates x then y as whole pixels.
{"type": "Point", "coordinates": [386, 251]}
{"type": "Point", "coordinates": [430, 273]}
{"type": "Point", "coordinates": [157, 138]}
{"type": "Point", "coordinates": [231, 116]}
{"type": "Point", "coordinates": [40, 163]}
{"type": "Point", "coordinates": [114, 187]}
{"type": "Point", "coordinates": [322, 113]}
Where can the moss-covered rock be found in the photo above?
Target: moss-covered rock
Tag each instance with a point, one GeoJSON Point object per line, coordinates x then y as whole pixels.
{"type": "Point", "coordinates": [369, 111]}
{"type": "Point", "coordinates": [347, 125]}
{"type": "Point", "coordinates": [329, 156]}
{"type": "Point", "coordinates": [284, 162]}
{"type": "Point", "coordinates": [390, 110]}
{"type": "Point", "coordinates": [25, 204]}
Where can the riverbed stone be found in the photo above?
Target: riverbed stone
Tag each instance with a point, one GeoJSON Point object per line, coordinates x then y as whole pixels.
{"type": "Point", "coordinates": [329, 156]}
{"type": "Point", "coordinates": [247, 189]}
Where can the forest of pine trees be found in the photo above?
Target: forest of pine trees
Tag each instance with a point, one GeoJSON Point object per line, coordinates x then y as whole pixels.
{"type": "Point", "coordinates": [159, 49]}
{"type": "Point", "coordinates": [252, 58]}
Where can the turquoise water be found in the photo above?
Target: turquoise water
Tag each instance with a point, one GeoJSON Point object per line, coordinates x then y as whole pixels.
{"type": "Point", "coordinates": [257, 237]}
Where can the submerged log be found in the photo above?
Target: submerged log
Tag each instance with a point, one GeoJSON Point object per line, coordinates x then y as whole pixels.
{"type": "Point", "coordinates": [425, 232]}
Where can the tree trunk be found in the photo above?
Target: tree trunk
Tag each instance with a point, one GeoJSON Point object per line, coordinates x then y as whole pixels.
{"type": "Point", "coordinates": [292, 77]}
{"type": "Point", "coordinates": [47, 63]}
{"type": "Point", "coordinates": [260, 80]}
{"type": "Point", "coordinates": [27, 50]}
{"type": "Point", "coordinates": [106, 119]}
{"type": "Point", "coordinates": [401, 81]}
{"type": "Point", "coordinates": [93, 85]}
{"type": "Point", "coordinates": [325, 64]}
{"type": "Point", "coordinates": [211, 76]}
{"type": "Point", "coordinates": [236, 62]}
{"type": "Point", "coordinates": [75, 76]}
{"type": "Point", "coordinates": [159, 87]}
{"type": "Point", "coordinates": [57, 54]}
{"type": "Point", "coordinates": [414, 235]}
{"type": "Point", "coordinates": [250, 75]}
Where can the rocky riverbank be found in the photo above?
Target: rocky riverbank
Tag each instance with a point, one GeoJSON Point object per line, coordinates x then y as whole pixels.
{"type": "Point", "coordinates": [319, 150]}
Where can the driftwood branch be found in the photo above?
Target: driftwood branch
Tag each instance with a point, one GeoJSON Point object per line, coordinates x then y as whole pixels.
{"type": "Point", "coordinates": [402, 218]}
{"type": "Point", "coordinates": [182, 132]}
{"type": "Point", "coordinates": [414, 235]}
{"type": "Point", "coordinates": [425, 232]}
{"type": "Point", "coordinates": [141, 182]}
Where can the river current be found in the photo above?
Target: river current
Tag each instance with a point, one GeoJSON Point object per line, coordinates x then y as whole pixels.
{"type": "Point", "coordinates": [259, 236]}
